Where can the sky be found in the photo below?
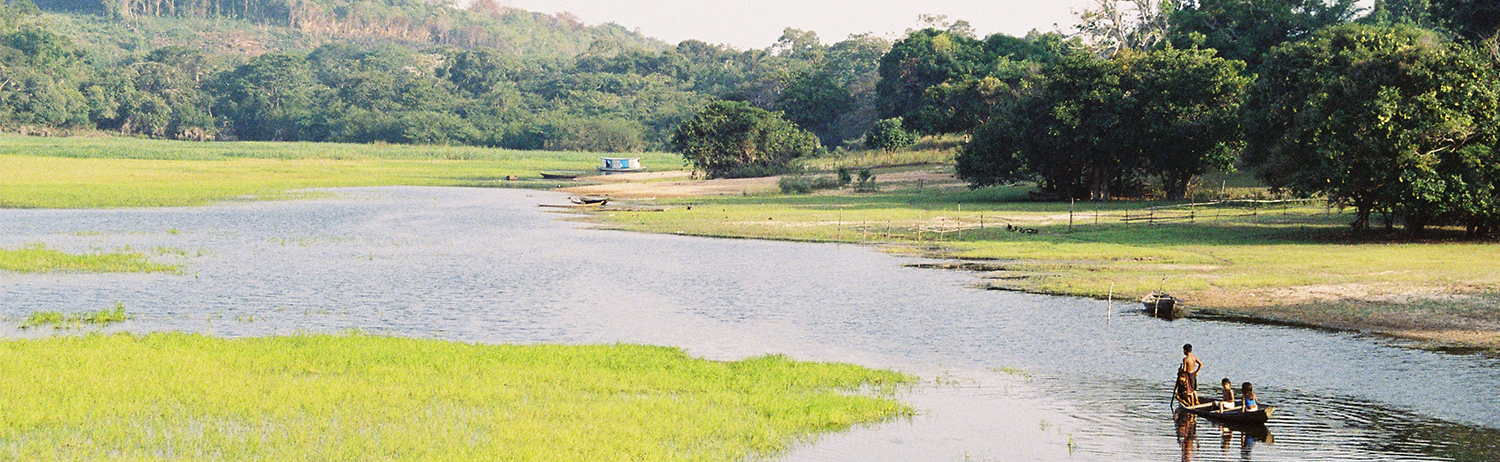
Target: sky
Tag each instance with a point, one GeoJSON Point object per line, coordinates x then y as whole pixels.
{"type": "Point", "coordinates": [746, 24]}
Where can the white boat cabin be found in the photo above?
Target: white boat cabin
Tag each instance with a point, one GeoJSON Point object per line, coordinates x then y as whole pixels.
{"type": "Point", "coordinates": [621, 164]}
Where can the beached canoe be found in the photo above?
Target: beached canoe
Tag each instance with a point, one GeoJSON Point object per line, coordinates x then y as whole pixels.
{"type": "Point", "coordinates": [559, 176]}
{"type": "Point", "coordinates": [589, 200]}
{"type": "Point", "coordinates": [1162, 305]}
{"type": "Point", "coordinates": [1210, 409]}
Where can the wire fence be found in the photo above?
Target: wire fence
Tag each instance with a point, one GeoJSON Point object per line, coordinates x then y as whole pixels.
{"type": "Point", "coordinates": [948, 225]}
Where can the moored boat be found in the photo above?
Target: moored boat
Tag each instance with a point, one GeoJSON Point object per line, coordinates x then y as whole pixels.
{"type": "Point", "coordinates": [1162, 305]}
{"type": "Point", "coordinates": [1210, 409]}
{"type": "Point", "coordinates": [621, 165]}
{"type": "Point", "coordinates": [559, 176]}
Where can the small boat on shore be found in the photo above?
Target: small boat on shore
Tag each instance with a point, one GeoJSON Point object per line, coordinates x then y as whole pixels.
{"type": "Point", "coordinates": [1162, 305]}
{"type": "Point", "coordinates": [589, 200]}
{"type": "Point", "coordinates": [559, 176]}
{"type": "Point", "coordinates": [1210, 409]}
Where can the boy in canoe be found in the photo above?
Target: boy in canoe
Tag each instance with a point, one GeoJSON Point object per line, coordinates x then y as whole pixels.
{"type": "Point", "coordinates": [1226, 402]}
{"type": "Point", "coordinates": [1190, 365]}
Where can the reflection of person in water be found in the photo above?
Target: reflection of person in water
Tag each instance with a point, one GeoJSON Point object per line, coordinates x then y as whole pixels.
{"type": "Point", "coordinates": [1187, 433]}
{"type": "Point", "coordinates": [1247, 443]}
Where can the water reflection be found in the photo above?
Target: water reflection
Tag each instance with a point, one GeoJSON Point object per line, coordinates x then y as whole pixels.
{"type": "Point", "coordinates": [1023, 377]}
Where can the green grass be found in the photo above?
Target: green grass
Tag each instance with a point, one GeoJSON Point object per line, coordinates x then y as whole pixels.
{"type": "Point", "coordinates": [355, 397]}
{"type": "Point", "coordinates": [106, 172]}
{"type": "Point", "coordinates": [61, 320]}
{"type": "Point", "coordinates": [37, 258]}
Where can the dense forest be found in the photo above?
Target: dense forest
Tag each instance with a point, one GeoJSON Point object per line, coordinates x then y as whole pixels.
{"type": "Point", "coordinates": [1391, 110]}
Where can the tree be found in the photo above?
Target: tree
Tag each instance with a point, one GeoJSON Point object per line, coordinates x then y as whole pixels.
{"type": "Point", "coordinates": [268, 98]}
{"type": "Point", "coordinates": [1071, 133]}
{"type": "Point", "coordinates": [888, 135]}
{"type": "Point", "coordinates": [1094, 127]}
{"type": "Point", "coordinates": [1474, 20]}
{"type": "Point", "coordinates": [921, 60]}
{"type": "Point", "coordinates": [815, 102]}
{"type": "Point", "coordinates": [1246, 29]}
{"type": "Point", "coordinates": [1187, 114]}
{"type": "Point", "coordinates": [1113, 25]}
{"type": "Point", "coordinates": [734, 139]}
{"type": "Point", "coordinates": [1394, 119]}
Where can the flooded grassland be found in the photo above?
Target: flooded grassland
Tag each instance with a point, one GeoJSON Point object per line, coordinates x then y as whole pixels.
{"type": "Point", "coordinates": [1006, 375]}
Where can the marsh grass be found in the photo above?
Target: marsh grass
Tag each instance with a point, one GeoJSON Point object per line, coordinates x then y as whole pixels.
{"type": "Point", "coordinates": [37, 258]}
{"type": "Point", "coordinates": [355, 397]}
{"type": "Point", "coordinates": [61, 320]}
{"type": "Point", "coordinates": [129, 172]}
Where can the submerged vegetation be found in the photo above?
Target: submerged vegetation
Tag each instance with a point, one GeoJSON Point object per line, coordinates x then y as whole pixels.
{"type": "Point", "coordinates": [60, 320]}
{"type": "Point", "coordinates": [356, 397]}
{"type": "Point", "coordinates": [37, 258]}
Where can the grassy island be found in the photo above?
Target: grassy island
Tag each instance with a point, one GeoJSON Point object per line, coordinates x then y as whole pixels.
{"type": "Point", "coordinates": [357, 397]}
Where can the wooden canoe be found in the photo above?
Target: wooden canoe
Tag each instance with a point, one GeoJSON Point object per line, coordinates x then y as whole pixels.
{"type": "Point", "coordinates": [1162, 305]}
{"type": "Point", "coordinates": [559, 176]}
{"type": "Point", "coordinates": [589, 200]}
{"type": "Point", "coordinates": [1210, 409]}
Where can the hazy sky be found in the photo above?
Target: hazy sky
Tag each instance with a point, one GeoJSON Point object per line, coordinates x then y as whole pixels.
{"type": "Point", "coordinates": [757, 23]}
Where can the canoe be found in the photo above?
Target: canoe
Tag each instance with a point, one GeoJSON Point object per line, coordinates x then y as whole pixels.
{"type": "Point", "coordinates": [589, 200]}
{"type": "Point", "coordinates": [571, 206]}
{"type": "Point", "coordinates": [1162, 305]}
{"type": "Point", "coordinates": [1210, 409]}
{"type": "Point", "coordinates": [559, 176]}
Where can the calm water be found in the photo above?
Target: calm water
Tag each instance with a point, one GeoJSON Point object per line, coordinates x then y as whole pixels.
{"type": "Point", "coordinates": [1011, 376]}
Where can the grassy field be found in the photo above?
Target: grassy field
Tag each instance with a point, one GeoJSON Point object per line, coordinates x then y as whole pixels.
{"type": "Point", "coordinates": [355, 397]}
{"type": "Point", "coordinates": [106, 172]}
{"type": "Point", "coordinates": [1288, 261]}
{"type": "Point", "coordinates": [37, 258]}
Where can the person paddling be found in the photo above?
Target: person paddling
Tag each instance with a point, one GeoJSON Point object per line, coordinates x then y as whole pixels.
{"type": "Point", "coordinates": [1188, 396]}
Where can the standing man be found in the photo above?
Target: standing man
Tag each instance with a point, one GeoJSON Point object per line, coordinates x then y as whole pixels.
{"type": "Point", "coordinates": [1190, 366]}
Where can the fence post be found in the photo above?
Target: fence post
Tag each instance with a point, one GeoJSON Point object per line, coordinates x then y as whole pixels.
{"type": "Point", "coordinates": [1072, 203]}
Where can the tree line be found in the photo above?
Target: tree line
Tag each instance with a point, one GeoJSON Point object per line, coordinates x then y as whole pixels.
{"type": "Point", "coordinates": [1392, 112]}
{"type": "Point", "coordinates": [616, 95]}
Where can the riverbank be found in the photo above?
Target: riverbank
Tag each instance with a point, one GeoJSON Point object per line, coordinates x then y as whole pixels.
{"type": "Point", "coordinates": [357, 397]}
{"type": "Point", "coordinates": [1273, 260]}
{"type": "Point", "coordinates": [1243, 256]}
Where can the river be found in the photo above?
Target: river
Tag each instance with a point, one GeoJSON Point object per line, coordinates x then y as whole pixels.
{"type": "Point", "coordinates": [1008, 376]}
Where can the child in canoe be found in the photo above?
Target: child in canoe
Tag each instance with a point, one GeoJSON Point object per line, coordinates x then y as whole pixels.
{"type": "Point", "coordinates": [1248, 404]}
{"type": "Point", "coordinates": [1226, 402]}
{"type": "Point", "coordinates": [1185, 393]}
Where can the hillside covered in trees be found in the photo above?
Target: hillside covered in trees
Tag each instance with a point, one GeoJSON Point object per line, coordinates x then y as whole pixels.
{"type": "Point", "coordinates": [402, 71]}
{"type": "Point", "coordinates": [1390, 110]}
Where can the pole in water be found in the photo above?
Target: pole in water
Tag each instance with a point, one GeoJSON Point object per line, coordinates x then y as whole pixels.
{"type": "Point", "coordinates": [1109, 310]}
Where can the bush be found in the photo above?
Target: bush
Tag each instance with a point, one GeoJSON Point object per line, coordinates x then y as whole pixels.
{"type": "Point", "coordinates": [799, 184]}
{"type": "Point", "coordinates": [731, 139]}
{"type": "Point", "coordinates": [889, 135]}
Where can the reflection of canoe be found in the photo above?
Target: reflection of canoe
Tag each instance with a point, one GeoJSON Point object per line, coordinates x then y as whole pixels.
{"type": "Point", "coordinates": [570, 206]}
{"type": "Point", "coordinates": [1210, 409]}
{"type": "Point", "coordinates": [559, 176]}
{"type": "Point", "coordinates": [1255, 431]}
{"type": "Point", "coordinates": [1162, 305]}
